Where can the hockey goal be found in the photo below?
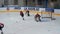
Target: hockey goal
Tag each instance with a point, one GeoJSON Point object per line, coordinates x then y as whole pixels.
{"type": "Point", "coordinates": [47, 14]}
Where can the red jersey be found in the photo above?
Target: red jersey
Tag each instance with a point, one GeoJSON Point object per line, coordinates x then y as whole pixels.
{"type": "Point", "coordinates": [1, 25]}
{"type": "Point", "coordinates": [21, 13]}
{"type": "Point", "coordinates": [37, 15]}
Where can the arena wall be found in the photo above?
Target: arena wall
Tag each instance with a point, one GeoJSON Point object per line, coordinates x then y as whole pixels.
{"type": "Point", "coordinates": [32, 10]}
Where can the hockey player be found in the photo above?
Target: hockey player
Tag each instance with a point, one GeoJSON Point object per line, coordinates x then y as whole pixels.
{"type": "Point", "coordinates": [22, 14]}
{"type": "Point", "coordinates": [1, 26]}
{"type": "Point", "coordinates": [27, 12]}
{"type": "Point", "coordinates": [7, 8]}
{"type": "Point", "coordinates": [37, 17]}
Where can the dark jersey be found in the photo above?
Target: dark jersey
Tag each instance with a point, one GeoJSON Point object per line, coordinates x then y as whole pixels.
{"type": "Point", "coordinates": [1, 26]}
{"type": "Point", "coordinates": [21, 13]}
{"type": "Point", "coordinates": [37, 15]}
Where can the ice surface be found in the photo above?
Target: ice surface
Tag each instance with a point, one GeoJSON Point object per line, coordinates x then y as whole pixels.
{"type": "Point", "coordinates": [15, 25]}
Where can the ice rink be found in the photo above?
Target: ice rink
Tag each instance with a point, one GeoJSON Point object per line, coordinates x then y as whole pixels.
{"type": "Point", "coordinates": [13, 24]}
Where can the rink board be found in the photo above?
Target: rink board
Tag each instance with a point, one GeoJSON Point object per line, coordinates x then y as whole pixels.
{"type": "Point", "coordinates": [31, 11]}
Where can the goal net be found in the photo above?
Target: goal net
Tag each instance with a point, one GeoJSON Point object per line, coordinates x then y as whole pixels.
{"type": "Point", "coordinates": [48, 13]}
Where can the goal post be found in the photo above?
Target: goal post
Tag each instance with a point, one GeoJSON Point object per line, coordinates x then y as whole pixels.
{"type": "Point", "coordinates": [48, 13]}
